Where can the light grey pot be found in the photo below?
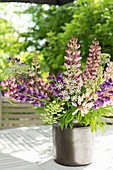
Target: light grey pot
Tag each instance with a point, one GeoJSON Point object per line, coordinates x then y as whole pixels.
{"type": "Point", "coordinates": [73, 147]}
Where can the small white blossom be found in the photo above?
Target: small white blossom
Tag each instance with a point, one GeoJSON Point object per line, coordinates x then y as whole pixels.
{"type": "Point", "coordinates": [75, 112]}
{"type": "Point", "coordinates": [67, 98]}
{"type": "Point", "coordinates": [74, 98]}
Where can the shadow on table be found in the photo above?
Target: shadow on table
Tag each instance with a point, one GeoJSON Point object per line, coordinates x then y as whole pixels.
{"type": "Point", "coordinates": [9, 162]}
{"type": "Point", "coordinates": [52, 165]}
{"type": "Point", "coordinates": [33, 144]}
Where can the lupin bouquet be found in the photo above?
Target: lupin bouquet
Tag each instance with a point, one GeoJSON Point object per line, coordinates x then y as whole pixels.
{"type": "Point", "coordinates": [84, 96]}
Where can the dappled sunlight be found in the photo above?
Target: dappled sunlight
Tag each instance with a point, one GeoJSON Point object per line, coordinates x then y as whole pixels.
{"type": "Point", "coordinates": [34, 157]}
{"type": "Point", "coordinates": [33, 144]}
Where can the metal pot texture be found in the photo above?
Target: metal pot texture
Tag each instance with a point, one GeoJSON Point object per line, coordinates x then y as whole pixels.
{"type": "Point", "coordinates": [73, 147]}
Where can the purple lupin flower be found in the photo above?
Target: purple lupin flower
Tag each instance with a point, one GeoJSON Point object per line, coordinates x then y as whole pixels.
{"type": "Point", "coordinates": [104, 93]}
{"type": "Point", "coordinates": [110, 81]}
{"type": "Point", "coordinates": [90, 71]}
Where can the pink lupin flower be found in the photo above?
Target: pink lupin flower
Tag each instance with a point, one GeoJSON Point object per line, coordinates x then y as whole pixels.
{"type": "Point", "coordinates": [31, 81]}
{"type": "Point", "coordinates": [92, 64]}
{"type": "Point", "coordinates": [73, 40]}
{"type": "Point", "coordinates": [38, 66]}
{"type": "Point", "coordinates": [66, 65]}
{"type": "Point", "coordinates": [69, 51]}
{"type": "Point", "coordinates": [39, 72]}
{"type": "Point", "coordinates": [84, 111]}
{"type": "Point", "coordinates": [42, 83]}
{"type": "Point", "coordinates": [3, 83]}
{"type": "Point", "coordinates": [77, 46]}
{"type": "Point", "coordinates": [6, 94]}
{"type": "Point", "coordinates": [108, 73]}
{"type": "Point", "coordinates": [66, 57]}
{"type": "Point", "coordinates": [70, 45]}
{"type": "Point", "coordinates": [33, 63]}
{"type": "Point", "coordinates": [74, 92]}
{"type": "Point", "coordinates": [74, 104]}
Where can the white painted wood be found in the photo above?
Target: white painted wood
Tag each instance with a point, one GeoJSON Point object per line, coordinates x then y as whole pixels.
{"type": "Point", "coordinates": [26, 143]}
{"type": "Point", "coordinates": [25, 167]}
{"type": "Point", "coordinates": [30, 148]}
{"type": "Point", "coordinates": [8, 162]}
{"type": "Point", "coordinates": [0, 112]}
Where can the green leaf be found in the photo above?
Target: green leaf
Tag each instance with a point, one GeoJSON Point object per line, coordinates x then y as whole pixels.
{"type": "Point", "coordinates": [94, 124]}
{"type": "Point", "coordinates": [38, 108]}
{"type": "Point", "coordinates": [66, 124]}
{"type": "Point", "coordinates": [68, 104]}
{"type": "Point", "coordinates": [78, 116]}
{"type": "Point", "coordinates": [71, 124]}
{"type": "Point", "coordinates": [104, 123]}
{"type": "Point", "coordinates": [62, 121]}
{"type": "Point", "coordinates": [92, 127]}
{"type": "Point", "coordinates": [106, 119]}
{"type": "Point", "coordinates": [11, 101]}
{"type": "Point", "coordinates": [69, 117]}
{"type": "Point", "coordinates": [100, 125]}
{"type": "Point", "coordinates": [104, 111]}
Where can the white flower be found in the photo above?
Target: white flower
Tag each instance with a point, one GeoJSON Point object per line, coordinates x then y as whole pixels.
{"type": "Point", "coordinates": [74, 104]}
{"type": "Point", "coordinates": [75, 112]}
{"type": "Point", "coordinates": [67, 98]}
{"type": "Point", "coordinates": [74, 98]}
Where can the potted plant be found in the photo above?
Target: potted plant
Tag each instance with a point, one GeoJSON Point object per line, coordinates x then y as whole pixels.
{"type": "Point", "coordinates": [74, 102]}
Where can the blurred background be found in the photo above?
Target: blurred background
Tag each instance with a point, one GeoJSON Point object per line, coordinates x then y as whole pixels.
{"type": "Point", "coordinates": [28, 29]}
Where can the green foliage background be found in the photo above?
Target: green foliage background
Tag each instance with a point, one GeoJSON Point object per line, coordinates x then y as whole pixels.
{"type": "Point", "coordinates": [52, 29]}
{"type": "Point", "coordinates": [86, 20]}
{"type": "Point", "coordinates": [8, 42]}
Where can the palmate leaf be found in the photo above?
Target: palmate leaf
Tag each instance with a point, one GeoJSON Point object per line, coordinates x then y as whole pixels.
{"type": "Point", "coordinates": [107, 119]}
{"type": "Point", "coordinates": [101, 123]}
{"type": "Point", "coordinates": [109, 106]}
{"type": "Point", "coordinates": [93, 125]}
{"type": "Point", "coordinates": [111, 110]}
{"type": "Point", "coordinates": [104, 111]}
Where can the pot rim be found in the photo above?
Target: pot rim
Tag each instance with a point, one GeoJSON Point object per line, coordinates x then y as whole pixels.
{"type": "Point", "coordinates": [75, 125]}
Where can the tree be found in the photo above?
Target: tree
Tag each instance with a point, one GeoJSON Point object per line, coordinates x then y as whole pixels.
{"type": "Point", "coordinates": [9, 39]}
{"type": "Point", "coordinates": [86, 20]}
{"type": "Point", "coordinates": [92, 20]}
{"type": "Point", "coordinates": [47, 23]}
{"type": "Point", "coordinates": [8, 43]}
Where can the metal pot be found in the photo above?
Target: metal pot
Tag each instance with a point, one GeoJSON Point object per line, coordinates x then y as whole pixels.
{"type": "Point", "coordinates": [73, 147]}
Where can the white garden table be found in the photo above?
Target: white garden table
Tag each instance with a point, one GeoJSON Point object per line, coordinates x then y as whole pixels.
{"type": "Point", "coordinates": [30, 148]}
